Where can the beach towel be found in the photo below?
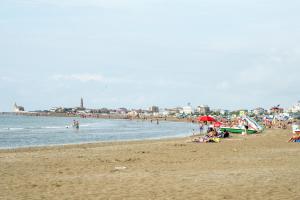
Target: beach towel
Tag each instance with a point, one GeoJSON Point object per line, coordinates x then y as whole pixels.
{"type": "Point", "coordinates": [217, 140]}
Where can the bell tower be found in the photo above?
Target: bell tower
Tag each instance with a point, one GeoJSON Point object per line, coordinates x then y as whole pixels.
{"type": "Point", "coordinates": [81, 103]}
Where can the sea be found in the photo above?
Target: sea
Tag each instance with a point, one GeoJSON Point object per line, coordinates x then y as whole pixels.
{"type": "Point", "coordinates": [18, 131]}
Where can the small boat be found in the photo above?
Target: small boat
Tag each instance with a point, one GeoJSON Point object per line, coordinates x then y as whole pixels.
{"type": "Point", "coordinates": [237, 130]}
{"type": "Point", "coordinates": [254, 127]}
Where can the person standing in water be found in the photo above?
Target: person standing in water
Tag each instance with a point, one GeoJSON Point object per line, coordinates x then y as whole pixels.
{"type": "Point", "coordinates": [76, 124]}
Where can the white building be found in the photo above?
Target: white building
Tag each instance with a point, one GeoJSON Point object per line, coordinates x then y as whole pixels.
{"type": "Point", "coordinates": [173, 111]}
{"type": "Point", "coordinates": [17, 108]}
{"type": "Point", "coordinates": [133, 113]}
{"type": "Point", "coordinates": [187, 110]}
{"type": "Point", "coordinates": [165, 112]}
{"type": "Point", "coordinates": [224, 112]}
{"type": "Point", "coordinates": [203, 109]}
{"type": "Point", "coordinates": [295, 108]}
{"type": "Point", "coordinates": [259, 111]}
{"type": "Point", "coordinates": [122, 111]}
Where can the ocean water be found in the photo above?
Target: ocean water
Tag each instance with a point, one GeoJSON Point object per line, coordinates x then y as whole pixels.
{"type": "Point", "coordinates": [30, 131]}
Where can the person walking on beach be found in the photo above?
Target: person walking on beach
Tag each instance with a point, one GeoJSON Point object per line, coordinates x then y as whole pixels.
{"type": "Point", "coordinates": [157, 121]}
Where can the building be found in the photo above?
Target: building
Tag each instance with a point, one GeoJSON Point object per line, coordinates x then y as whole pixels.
{"type": "Point", "coordinates": [61, 110]}
{"type": "Point", "coordinates": [154, 109]}
{"type": "Point", "coordinates": [173, 111]}
{"type": "Point", "coordinates": [17, 108]}
{"type": "Point", "coordinates": [187, 110]}
{"type": "Point", "coordinates": [165, 112]}
{"type": "Point", "coordinates": [295, 108]}
{"type": "Point", "coordinates": [81, 107]}
{"type": "Point", "coordinates": [224, 112]}
{"type": "Point", "coordinates": [122, 111]}
{"type": "Point", "coordinates": [276, 110]}
{"type": "Point", "coordinates": [133, 113]}
{"type": "Point", "coordinates": [259, 111]}
{"type": "Point", "coordinates": [81, 103]}
{"type": "Point", "coordinates": [203, 109]}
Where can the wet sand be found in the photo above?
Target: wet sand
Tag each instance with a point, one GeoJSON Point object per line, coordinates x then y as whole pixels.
{"type": "Point", "coordinates": [261, 166]}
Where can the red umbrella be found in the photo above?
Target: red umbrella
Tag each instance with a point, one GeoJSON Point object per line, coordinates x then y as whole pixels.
{"type": "Point", "coordinates": [217, 124]}
{"type": "Point", "coordinates": [206, 119]}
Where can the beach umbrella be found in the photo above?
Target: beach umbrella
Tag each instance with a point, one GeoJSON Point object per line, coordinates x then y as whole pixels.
{"type": "Point", "coordinates": [206, 119]}
{"type": "Point", "coordinates": [217, 124]}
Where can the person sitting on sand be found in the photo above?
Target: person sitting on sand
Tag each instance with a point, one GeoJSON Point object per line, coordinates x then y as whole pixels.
{"type": "Point", "coordinates": [224, 134]}
{"type": "Point", "coordinates": [203, 139]}
{"type": "Point", "coordinates": [212, 133]}
{"type": "Point", "coordinates": [284, 126]}
{"type": "Point", "coordinates": [296, 135]}
{"type": "Point", "coordinates": [206, 139]}
{"type": "Point", "coordinates": [294, 138]}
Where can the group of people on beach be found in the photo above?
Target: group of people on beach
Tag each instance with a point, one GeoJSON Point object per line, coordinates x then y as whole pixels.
{"type": "Point", "coordinates": [212, 134]}
{"type": "Point", "coordinates": [276, 123]}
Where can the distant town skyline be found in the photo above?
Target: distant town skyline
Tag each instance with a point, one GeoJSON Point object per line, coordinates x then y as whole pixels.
{"type": "Point", "coordinates": [188, 108]}
{"type": "Point", "coordinates": [135, 54]}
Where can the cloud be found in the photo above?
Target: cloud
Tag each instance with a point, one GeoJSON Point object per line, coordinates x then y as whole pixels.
{"type": "Point", "coordinates": [77, 3]}
{"type": "Point", "coordinates": [139, 82]}
{"type": "Point", "coordinates": [6, 79]}
{"type": "Point", "coordinates": [224, 85]}
{"type": "Point", "coordinates": [79, 77]}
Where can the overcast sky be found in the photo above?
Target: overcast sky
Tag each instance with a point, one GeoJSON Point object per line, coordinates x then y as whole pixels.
{"type": "Point", "coordinates": [136, 53]}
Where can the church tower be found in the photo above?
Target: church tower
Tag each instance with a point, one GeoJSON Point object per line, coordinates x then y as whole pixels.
{"type": "Point", "coordinates": [81, 103]}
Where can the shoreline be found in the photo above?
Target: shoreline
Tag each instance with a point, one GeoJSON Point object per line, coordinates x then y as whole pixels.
{"type": "Point", "coordinates": [89, 145]}
{"type": "Point", "coordinates": [85, 144]}
{"type": "Point", "coordinates": [117, 142]}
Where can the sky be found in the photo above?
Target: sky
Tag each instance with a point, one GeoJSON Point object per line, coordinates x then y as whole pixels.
{"type": "Point", "coordinates": [228, 54]}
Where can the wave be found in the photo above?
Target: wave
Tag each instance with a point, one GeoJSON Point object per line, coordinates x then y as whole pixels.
{"type": "Point", "coordinates": [32, 128]}
{"type": "Point", "coordinates": [53, 127]}
{"type": "Point", "coordinates": [12, 129]}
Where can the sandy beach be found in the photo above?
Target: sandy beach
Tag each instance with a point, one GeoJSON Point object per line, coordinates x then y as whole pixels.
{"type": "Point", "coordinates": [260, 166]}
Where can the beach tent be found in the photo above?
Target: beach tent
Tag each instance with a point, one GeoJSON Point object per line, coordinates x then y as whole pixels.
{"type": "Point", "coordinates": [253, 124]}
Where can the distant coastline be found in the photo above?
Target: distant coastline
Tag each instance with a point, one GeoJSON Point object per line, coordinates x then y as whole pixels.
{"type": "Point", "coordinates": [100, 116]}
